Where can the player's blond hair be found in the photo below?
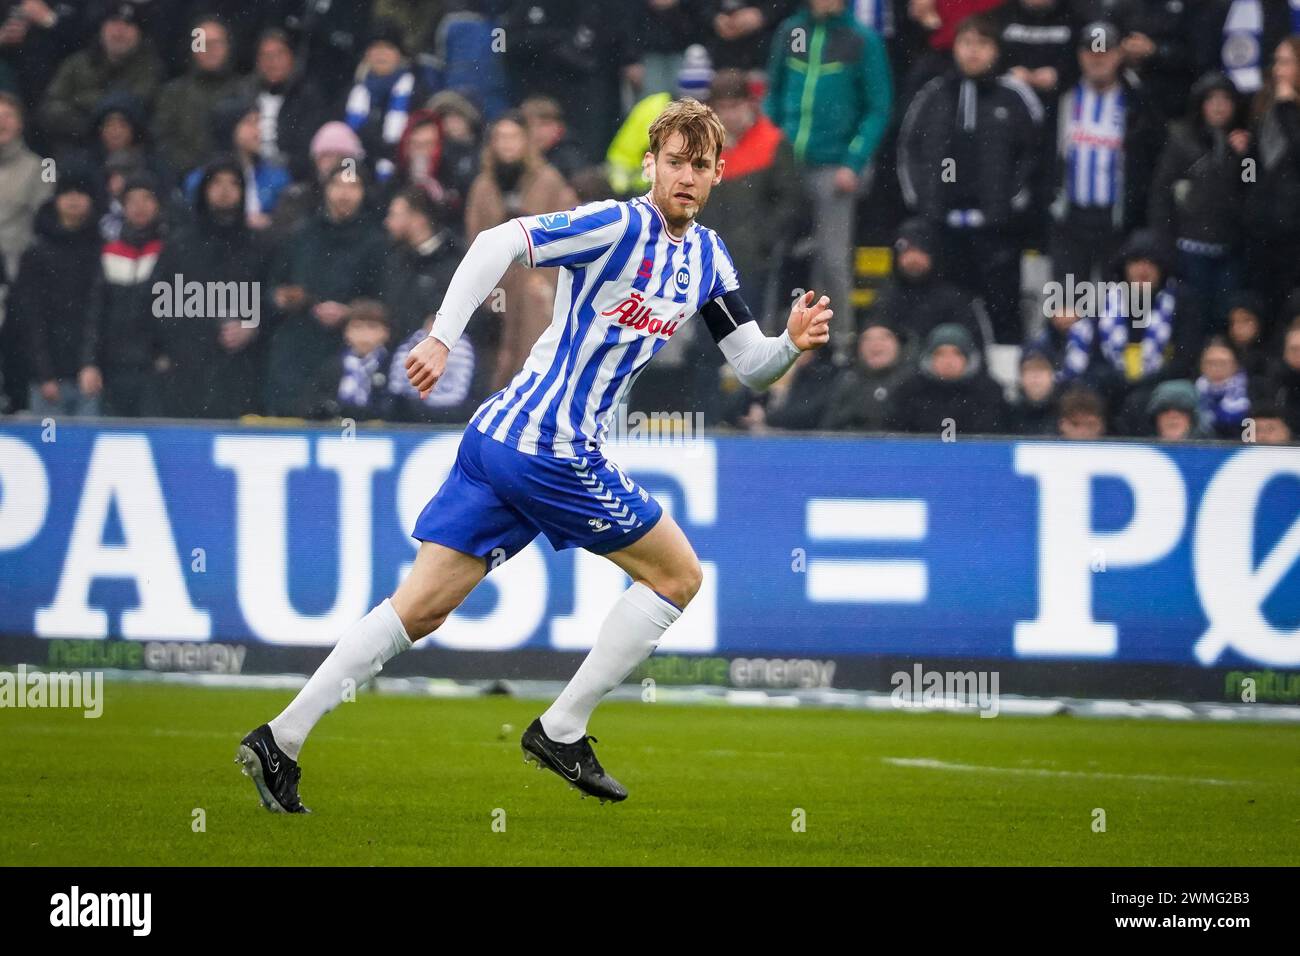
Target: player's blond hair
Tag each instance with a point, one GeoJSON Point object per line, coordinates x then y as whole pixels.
{"type": "Point", "coordinates": [698, 124]}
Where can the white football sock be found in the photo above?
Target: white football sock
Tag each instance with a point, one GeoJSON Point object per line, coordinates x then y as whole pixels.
{"type": "Point", "coordinates": [359, 655]}
{"type": "Point", "coordinates": [629, 635]}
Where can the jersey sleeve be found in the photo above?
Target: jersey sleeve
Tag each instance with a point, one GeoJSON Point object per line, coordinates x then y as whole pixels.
{"type": "Point", "coordinates": [725, 277]}
{"type": "Point", "coordinates": [574, 238]}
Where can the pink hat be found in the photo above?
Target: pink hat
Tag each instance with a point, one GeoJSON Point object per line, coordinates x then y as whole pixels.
{"type": "Point", "coordinates": [337, 137]}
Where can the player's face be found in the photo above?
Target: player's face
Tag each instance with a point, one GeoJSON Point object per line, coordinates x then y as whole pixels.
{"type": "Point", "coordinates": [682, 183]}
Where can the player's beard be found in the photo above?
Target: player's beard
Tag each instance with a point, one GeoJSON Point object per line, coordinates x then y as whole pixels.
{"type": "Point", "coordinates": [678, 214]}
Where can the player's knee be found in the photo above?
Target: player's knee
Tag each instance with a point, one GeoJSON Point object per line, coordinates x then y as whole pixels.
{"type": "Point", "coordinates": [684, 583]}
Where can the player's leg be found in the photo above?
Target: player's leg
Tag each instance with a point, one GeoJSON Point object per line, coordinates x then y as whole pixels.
{"type": "Point", "coordinates": [439, 581]}
{"type": "Point", "coordinates": [665, 577]}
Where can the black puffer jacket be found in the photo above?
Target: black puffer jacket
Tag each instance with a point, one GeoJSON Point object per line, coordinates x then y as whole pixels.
{"type": "Point", "coordinates": [52, 295]}
{"type": "Point", "coordinates": [1197, 190]}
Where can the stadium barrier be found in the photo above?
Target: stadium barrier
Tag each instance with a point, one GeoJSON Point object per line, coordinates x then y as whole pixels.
{"type": "Point", "coordinates": [1104, 569]}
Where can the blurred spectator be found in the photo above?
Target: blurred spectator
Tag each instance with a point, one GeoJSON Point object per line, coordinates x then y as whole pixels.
{"type": "Point", "coordinates": [182, 121]}
{"type": "Point", "coordinates": [950, 394]}
{"type": "Point", "coordinates": [334, 145]}
{"type": "Point", "coordinates": [291, 109]}
{"type": "Point", "coordinates": [572, 52]}
{"type": "Point", "coordinates": [625, 158]}
{"type": "Point", "coordinates": [550, 136]}
{"type": "Point", "coordinates": [336, 257]}
{"type": "Point", "coordinates": [1246, 312]}
{"type": "Point", "coordinates": [915, 300]}
{"type": "Point", "coordinates": [1034, 411]}
{"type": "Point", "coordinates": [1053, 341]}
{"type": "Point", "coordinates": [35, 35]}
{"type": "Point", "coordinates": [798, 401]}
{"type": "Point", "coordinates": [938, 21]}
{"type": "Point", "coordinates": [830, 92]}
{"type": "Point", "coordinates": [214, 361]}
{"type": "Point", "coordinates": [413, 20]}
{"type": "Point", "coordinates": [51, 298]}
{"type": "Point", "coordinates": [460, 125]}
{"type": "Point", "coordinates": [354, 383]}
{"type": "Point", "coordinates": [457, 393]}
{"type": "Point", "coordinates": [1235, 36]}
{"type": "Point", "coordinates": [861, 393]}
{"type": "Point", "coordinates": [1273, 197]}
{"type": "Point", "coordinates": [463, 55]}
{"type": "Point", "coordinates": [381, 100]}
{"type": "Point", "coordinates": [1083, 414]}
{"type": "Point", "coordinates": [121, 144]}
{"type": "Point", "coordinates": [22, 186]}
{"type": "Point", "coordinates": [424, 257]}
{"type": "Point", "coordinates": [1037, 45]}
{"type": "Point", "coordinates": [759, 184]}
{"type": "Point", "coordinates": [1271, 427]}
{"type": "Point", "coordinates": [330, 37]}
{"type": "Point", "coordinates": [516, 181]}
{"type": "Point", "coordinates": [1196, 195]}
{"type": "Point", "coordinates": [419, 161]}
{"type": "Point", "coordinates": [122, 334]}
{"type": "Point", "coordinates": [1281, 387]}
{"type": "Point", "coordinates": [1174, 412]}
{"type": "Point", "coordinates": [1159, 45]}
{"type": "Point", "coordinates": [1222, 387]}
{"type": "Point", "coordinates": [1139, 343]}
{"type": "Point", "coordinates": [739, 32]}
{"type": "Point", "coordinates": [663, 29]}
{"type": "Point", "coordinates": [237, 128]}
{"type": "Point", "coordinates": [1110, 138]}
{"type": "Point", "coordinates": [967, 161]}
{"type": "Point", "coordinates": [118, 59]}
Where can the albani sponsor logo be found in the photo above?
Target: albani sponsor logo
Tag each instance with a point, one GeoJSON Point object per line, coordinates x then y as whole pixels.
{"type": "Point", "coordinates": [635, 314]}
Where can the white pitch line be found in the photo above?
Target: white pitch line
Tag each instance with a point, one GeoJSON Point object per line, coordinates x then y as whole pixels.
{"type": "Point", "coordinates": [1039, 772]}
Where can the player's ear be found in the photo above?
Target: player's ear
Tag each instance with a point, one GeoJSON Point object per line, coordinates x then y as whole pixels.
{"type": "Point", "coordinates": [648, 166]}
{"type": "Point", "coordinates": [717, 172]}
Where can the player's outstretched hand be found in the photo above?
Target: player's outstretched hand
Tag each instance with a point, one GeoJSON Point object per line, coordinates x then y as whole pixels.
{"type": "Point", "coordinates": [809, 324]}
{"type": "Point", "coordinates": [425, 364]}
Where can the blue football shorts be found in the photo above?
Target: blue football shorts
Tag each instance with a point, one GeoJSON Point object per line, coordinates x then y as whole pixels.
{"type": "Point", "coordinates": [497, 499]}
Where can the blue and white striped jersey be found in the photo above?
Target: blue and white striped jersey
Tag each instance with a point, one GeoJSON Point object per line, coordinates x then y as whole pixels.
{"type": "Point", "coordinates": [1094, 146]}
{"type": "Point", "coordinates": [626, 287]}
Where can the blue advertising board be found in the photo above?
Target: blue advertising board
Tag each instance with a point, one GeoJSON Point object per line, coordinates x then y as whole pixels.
{"type": "Point", "coordinates": [813, 545]}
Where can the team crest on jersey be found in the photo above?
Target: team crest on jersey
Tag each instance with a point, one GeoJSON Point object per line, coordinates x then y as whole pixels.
{"type": "Point", "coordinates": [554, 220]}
{"type": "Point", "coordinates": [683, 279]}
{"type": "Point", "coordinates": [635, 314]}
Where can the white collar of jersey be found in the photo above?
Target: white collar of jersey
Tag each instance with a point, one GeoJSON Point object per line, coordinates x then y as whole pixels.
{"type": "Point", "coordinates": [663, 221]}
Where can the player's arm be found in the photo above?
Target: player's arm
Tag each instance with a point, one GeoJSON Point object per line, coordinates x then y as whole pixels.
{"type": "Point", "coordinates": [563, 239]}
{"type": "Point", "coordinates": [487, 259]}
{"type": "Point", "coordinates": [758, 359]}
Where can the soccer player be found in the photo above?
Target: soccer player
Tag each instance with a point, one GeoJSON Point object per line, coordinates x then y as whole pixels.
{"type": "Point", "coordinates": [530, 461]}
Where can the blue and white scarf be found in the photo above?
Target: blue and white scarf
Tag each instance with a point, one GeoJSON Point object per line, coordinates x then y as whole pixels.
{"type": "Point", "coordinates": [394, 91]}
{"type": "Point", "coordinates": [1226, 403]}
{"type": "Point", "coordinates": [1113, 328]}
{"type": "Point", "coordinates": [359, 376]}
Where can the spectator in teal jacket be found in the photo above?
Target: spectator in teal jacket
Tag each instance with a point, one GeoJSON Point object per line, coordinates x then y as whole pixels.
{"type": "Point", "coordinates": [830, 93]}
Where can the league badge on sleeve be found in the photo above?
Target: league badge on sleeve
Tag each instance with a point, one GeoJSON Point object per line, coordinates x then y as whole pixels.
{"type": "Point", "coordinates": [553, 220]}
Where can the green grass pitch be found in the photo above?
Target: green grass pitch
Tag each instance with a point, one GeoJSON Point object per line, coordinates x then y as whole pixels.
{"type": "Point", "coordinates": [407, 780]}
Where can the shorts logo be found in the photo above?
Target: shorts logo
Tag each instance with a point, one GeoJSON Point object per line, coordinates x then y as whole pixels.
{"type": "Point", "coordinates": [623, 516]}
{"type": "Point", "coordinates": [599, 524]}
{"type": "Point", "coordinates": [683, 279]}
{"type": "Point", "coordinates": [554, 220]}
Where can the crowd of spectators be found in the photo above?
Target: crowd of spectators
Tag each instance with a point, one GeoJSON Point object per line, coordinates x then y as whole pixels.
{"type": "Point", "coordinates": [215, 209]}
